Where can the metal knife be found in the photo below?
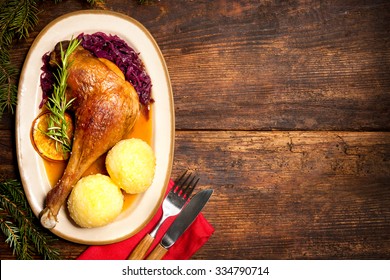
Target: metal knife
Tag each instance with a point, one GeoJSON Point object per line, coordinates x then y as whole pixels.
{"type": "Point", "coordinates": [181, 223]}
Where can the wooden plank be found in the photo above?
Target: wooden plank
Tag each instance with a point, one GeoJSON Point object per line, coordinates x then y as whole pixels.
{"type": "Point", "coordinates": [7, 121]}
{"type": "Point", "coordinates": [8, 161]}
{"type": "Point", "coordinates": [296, 195]}
{"type": "Point", "coordinates": [292, 195]}
{"type": "Point", "coordinates": [280, 66]}
{"type": "Point", "coordinates": [267, 66]}
{"type": "Point", "coordinates": [258, 66]}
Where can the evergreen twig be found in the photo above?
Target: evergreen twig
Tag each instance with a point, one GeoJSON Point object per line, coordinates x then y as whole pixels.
{"type": "Point", "coordinates": [8, 90]}
{"type": "Point", "coordinates": [17, 19]}
{"type": "Point", "coordinates": [20, 226]}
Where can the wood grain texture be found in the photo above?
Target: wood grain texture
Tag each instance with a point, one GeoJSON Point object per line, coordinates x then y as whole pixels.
{"type": "Point", "coordinates": [139, 252]}
{"type": "Point", "coordinates": [259, 65]}
{"type": "Point", "coordinates": [158, 253]}
{"type": "Point", "coordinates": [287, 66]}
{"type": "Point", "coordinates": [283, 108]}
{"type": "Point", "coordinates": [292, 195]}
{"type": "Point", "coordinates": [8, 162]}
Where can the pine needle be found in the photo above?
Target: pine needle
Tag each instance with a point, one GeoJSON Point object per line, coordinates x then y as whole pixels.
{"type": "Point", "coordinates": [19, 225]}
{"type": "Point", "coordinates": [8, 90]}
{"type": "Point", "coordinates": [17, 19]}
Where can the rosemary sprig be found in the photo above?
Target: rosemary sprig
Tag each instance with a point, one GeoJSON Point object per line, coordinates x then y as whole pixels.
{"type": "Point", "coordinates": [20, 226]}
{"type": "Point", "coordinates": [57, 103]}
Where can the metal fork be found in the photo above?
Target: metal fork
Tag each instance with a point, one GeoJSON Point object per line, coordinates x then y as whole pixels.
{"type": "Point", "coordinates": [171, 206]}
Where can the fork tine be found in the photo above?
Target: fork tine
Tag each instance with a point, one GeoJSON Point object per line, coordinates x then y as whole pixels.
{"type": "Point", "coordinates": [188, 191]}
{"type": "Point", "coordinates": [180, 181]}
{"type": "Point", "coordinates": [185, 183]}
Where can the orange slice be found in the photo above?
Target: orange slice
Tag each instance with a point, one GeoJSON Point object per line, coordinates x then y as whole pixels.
{"type": "Point", "coordinates": [44, 145]}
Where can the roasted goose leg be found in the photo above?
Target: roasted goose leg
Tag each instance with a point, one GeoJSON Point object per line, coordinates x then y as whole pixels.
{"type": "Point", "coordinates": [106, 108]}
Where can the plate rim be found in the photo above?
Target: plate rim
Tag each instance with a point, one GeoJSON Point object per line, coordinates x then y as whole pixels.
{"type": "Point", "coordinates": [170, 100]}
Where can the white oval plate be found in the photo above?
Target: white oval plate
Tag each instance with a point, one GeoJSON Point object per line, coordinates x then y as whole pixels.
{"type": "Point", "coordinates": [31, 167]}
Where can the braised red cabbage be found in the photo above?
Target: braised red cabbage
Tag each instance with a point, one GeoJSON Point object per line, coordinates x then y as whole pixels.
{"type": "Point", "coordinates": [118, 51]}
{"type": "Point", "coordinates": [47, 79]}
{"type": "Point", "coordinates": [114, 49]}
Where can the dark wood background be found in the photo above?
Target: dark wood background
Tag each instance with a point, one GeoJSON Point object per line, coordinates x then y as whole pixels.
{"type": "Point", "coordinates": [283, 108]}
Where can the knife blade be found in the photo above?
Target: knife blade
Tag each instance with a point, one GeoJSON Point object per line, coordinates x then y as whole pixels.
{"type": "Point", "coordinates": [181, 224]}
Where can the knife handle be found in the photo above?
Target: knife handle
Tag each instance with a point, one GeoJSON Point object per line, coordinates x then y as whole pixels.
{"type": "Point", "coordinates": [142, 248]}
{"type": "Point", "coordinates": [158, 253]}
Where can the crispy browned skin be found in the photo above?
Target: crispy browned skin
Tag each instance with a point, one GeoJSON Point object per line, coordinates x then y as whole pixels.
{"type": "Point", "coordinates": [106, 108]}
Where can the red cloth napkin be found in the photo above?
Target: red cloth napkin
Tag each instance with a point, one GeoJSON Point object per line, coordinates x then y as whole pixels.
{"type": "Point", "coordinates": [190, 242]}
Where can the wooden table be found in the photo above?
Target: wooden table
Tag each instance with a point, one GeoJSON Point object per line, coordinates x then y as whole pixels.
{"type": "Point", "coordinates": [283, 108]}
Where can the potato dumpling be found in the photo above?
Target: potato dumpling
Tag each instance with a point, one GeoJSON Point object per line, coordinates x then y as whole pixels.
{"type": "Point", "coordinates": [131, 164]}
{"type": "Point", "coordinates": [95, 201]}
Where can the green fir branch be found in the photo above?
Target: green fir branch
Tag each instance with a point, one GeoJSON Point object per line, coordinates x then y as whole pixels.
{"type": "Point", "coordinates": [11, 231]}
{"type": "Point", "coordinates": [8, 89]}
{"type": "Point", "coordinates": [21, 228]}
{"type": "Point", "coordinates": [17, 19]}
